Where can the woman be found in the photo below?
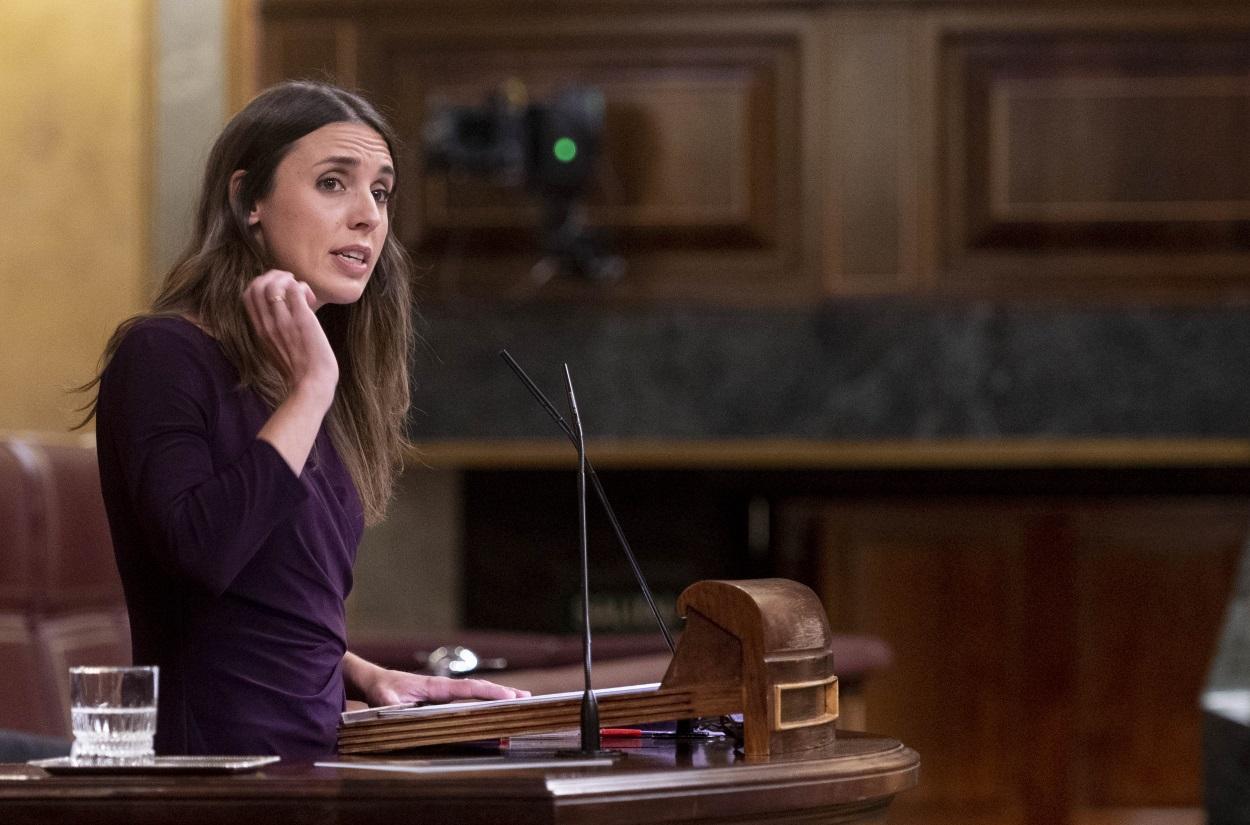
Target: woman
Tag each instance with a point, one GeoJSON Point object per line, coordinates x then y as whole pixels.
{"type": "Point", "coordinates": [253, 421]}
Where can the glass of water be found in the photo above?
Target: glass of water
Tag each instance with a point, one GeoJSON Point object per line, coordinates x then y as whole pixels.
{"type": "Point", "coordinates": [113, 714]}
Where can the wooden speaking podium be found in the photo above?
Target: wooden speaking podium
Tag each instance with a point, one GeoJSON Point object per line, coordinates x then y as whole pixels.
{"type": "Point", "coordinates": [760, 648]}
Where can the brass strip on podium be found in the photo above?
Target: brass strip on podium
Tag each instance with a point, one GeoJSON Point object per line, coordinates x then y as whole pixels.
{"type": "Point", "coordinates": [829, 705]}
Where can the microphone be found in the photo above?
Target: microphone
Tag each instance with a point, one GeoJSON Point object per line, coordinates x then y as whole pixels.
{"type": "Point", "coordinates": [686, 728]}
{"type": "Point", "coordinates": [594, 478]}
{"type": "Point", "coordinates": [590, 705]}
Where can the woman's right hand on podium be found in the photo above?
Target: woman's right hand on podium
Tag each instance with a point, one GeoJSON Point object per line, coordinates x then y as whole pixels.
{"type": "Point", "coordinates": [393, 687]}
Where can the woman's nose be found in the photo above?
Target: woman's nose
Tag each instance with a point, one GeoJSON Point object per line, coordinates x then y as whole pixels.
{"type": "Point", "coordinates": [366, 211]}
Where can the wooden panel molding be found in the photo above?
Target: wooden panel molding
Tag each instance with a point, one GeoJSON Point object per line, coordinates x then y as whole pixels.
{"type": "Point", "coordinates": [1114, 152]}
{"type": "Point", "coordinates": [795, 454]}
{"type": "Point", "coordinates": [1184, 172]}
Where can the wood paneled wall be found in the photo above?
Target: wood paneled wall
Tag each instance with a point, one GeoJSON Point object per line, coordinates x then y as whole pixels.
{"type": "Point", "coordinates": [75, 93]}
{"type": "Point", "coordinates": [788, 152]}
{"type": "Point", "coordinates": [1049, 652]}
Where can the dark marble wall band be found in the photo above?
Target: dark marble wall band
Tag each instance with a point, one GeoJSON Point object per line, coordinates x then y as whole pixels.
{"type": "Point", "coordinates": [848, 370]}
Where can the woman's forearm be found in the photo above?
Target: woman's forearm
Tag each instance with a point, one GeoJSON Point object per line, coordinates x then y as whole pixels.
{"type": "Point", "coordinates": [293, 427]}
{"type": "Point", "coordinates": [358, 676]}
{"type": "Point", "coordinates": [282, 314]}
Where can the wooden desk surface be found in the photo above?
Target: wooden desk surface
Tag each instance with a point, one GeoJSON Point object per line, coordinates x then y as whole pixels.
{"type": "Point", "coordinates": [853, 781]}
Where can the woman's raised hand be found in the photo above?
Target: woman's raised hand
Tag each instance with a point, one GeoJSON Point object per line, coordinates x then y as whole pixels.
{"type": "Point", "coordinates": [281, 312]}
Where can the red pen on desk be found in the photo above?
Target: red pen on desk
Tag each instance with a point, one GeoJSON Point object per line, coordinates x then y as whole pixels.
{"type": "Point", "coordinates": [635, 733]}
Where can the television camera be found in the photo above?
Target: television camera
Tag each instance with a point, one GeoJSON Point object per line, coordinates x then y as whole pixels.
{"type": "Point", "coordinates": [549, 149]}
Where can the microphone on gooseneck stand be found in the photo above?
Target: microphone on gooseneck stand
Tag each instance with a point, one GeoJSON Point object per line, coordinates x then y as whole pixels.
{"type": "Point", "coordinates": [590, 706]}
{"type": "Point", "coordinates": [602, 496]}
{"type": "Point", "coordinates": [686, 728]}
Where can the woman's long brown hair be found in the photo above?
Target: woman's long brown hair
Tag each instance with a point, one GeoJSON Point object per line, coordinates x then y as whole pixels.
{"type": "Point", "coordinates": [372, 338]}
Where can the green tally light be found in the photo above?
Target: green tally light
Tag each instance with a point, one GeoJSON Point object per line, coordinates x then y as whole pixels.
{"type": "Point", "coordinates": [565, 149]}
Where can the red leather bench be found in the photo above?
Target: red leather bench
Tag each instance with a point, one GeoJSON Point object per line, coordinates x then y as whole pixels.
{"type": "Point", "coordinates": [61, 601]}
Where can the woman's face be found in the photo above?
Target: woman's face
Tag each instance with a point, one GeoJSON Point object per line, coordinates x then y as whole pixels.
{"type": "Point", "coordinates": [324, 219]}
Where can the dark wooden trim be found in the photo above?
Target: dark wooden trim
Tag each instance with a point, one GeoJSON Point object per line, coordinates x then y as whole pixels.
{"type": "Point", "coordinates": [799, 454]}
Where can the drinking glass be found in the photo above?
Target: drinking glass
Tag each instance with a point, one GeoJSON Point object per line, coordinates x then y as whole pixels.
{"type": "Point", "coordinates": [113, 714]}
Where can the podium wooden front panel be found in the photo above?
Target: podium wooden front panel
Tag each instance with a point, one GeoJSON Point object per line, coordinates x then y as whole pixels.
{"type": "Point", "coordinates": [854, 780]}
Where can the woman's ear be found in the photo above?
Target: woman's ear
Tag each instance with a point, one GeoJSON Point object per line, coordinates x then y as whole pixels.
{"type": "Point", "coordinates": [236, 180]}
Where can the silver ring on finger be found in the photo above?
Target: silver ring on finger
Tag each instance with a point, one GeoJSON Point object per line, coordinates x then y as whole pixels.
{"type": "Point", "coordinates": [276, 299]}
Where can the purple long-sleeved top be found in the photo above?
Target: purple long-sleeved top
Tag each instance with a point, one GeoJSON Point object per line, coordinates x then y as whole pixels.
{"type": "Point", "coordinates": [235, 569]}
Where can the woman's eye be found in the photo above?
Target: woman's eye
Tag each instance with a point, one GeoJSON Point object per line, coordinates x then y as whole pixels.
{"type": "Point", "coordinates": [330, 184]}
{"type": "Point", "coordinates": [382, 195]}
